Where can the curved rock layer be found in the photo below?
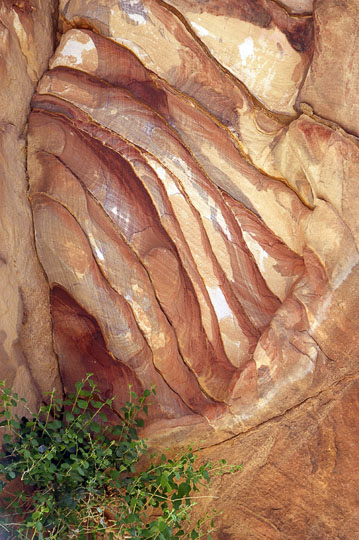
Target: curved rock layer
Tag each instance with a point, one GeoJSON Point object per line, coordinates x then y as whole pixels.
{"type": "Point", "coordinates": [197, 232]}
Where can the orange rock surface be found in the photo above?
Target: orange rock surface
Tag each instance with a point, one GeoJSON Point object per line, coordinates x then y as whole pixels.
{"type": "Point", "coordinates": [27, 359]}
{"type": "Point", "coordinates": [192, 174]}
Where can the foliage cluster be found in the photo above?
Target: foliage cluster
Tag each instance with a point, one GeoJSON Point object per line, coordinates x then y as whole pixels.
{"type": "Point", "coordinates": [80, 477]}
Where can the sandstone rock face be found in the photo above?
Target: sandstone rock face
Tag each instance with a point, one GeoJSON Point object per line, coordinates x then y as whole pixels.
{"type": "Point", "coordinates": [297, 6]}
{"type": "Point", "coordinates": [201, 272]}
{"type": "Point", "coordinates": [258, 42]}
{"type": "Point", "coordinates": [328, 87]}
{"type": "Point", "coordinates": [300, 474]}
{"type": "Point", "coordinates": [27, 360]}
{"type": "Point", "coordinates": [193, 183]}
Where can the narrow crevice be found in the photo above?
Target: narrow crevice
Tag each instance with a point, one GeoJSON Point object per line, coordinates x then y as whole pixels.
{"type": "Point", "coordinates": [308, 111]}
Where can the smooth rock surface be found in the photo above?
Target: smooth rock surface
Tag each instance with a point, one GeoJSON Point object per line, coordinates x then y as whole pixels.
{"type": "Point", "coordinates": [330, 87]}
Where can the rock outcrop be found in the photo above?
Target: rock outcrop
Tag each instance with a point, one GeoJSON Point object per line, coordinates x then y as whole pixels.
{"type": "Point", "coordinates": [27, 360]}
{"type": "Point", "coordinates": [193, 182]}
{"type": "Point", "coordinates": [203, 273]}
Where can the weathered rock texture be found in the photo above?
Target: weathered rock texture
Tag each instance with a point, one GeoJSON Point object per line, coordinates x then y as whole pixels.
{"type": "Point", "coordinates": [193, 176]}
{"type": "Point", "coordinates": [27, 359]}
{"type": "Point", "coordinates": [300, 476]}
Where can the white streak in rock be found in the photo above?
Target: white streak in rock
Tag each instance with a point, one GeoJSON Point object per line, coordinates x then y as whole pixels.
{"type": "Point", "coordinates": [219, 303]}
{"type": "Point", "coordinates": [99, 254]}
{"type": "Point", "coordinates": [170, 186]}
{"type": "Point", "coordinates": [257, 251]}
{"type": "Point", "coordinates": [138, 19]}
{"type": "Point", "coordinates": [201, 31]}
{"type": "Point", "coordinates": [160, 171]}
{"type": "Point", "coordinates": [172, 189]}
{"type": "Point", "coordinates": [74, 48]}
{"type": "Point", "coordinates": [322, 312]}
{"type": "Point", "coordinates": [246, 49]}
{"type": "Point", "coordinates": [345, 273]}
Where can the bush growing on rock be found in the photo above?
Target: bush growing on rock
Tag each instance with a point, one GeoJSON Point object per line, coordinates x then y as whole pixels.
{"type": "Point", "coordinates": [79, 478]}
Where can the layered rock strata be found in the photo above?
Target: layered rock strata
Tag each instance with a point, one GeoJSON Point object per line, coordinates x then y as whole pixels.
{"type": "Point", "coordinates": [180, 203]}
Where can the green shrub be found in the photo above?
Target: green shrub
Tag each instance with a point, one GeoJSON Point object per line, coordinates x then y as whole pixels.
{"type": "Point", "coordinates": [79, 477]}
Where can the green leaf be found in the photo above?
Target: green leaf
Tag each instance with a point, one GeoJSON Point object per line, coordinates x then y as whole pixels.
{"type": "Point", "coordinates": [206, 476]}
{"type": "Point", "coordinates": [69, 416]}
{"type": "Point", "coordinates": [54, 425]}
{"type": "Point", "coordinates": [96, 404]}
{"type": "Point", "coordinates": [82, 404]}
{"type": "Point", "coordinates": [79, 385]}
{"type": "Point", "coordinates": [164, 479]}
{"type": "Point", "coordinates": [95, 427]}
{"type": "Point", "coordinates": [73, 459]}
{"type": "Point", "coordinates": [183, 490]}
{"type": "Point", "coordinates": [117, 430]}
